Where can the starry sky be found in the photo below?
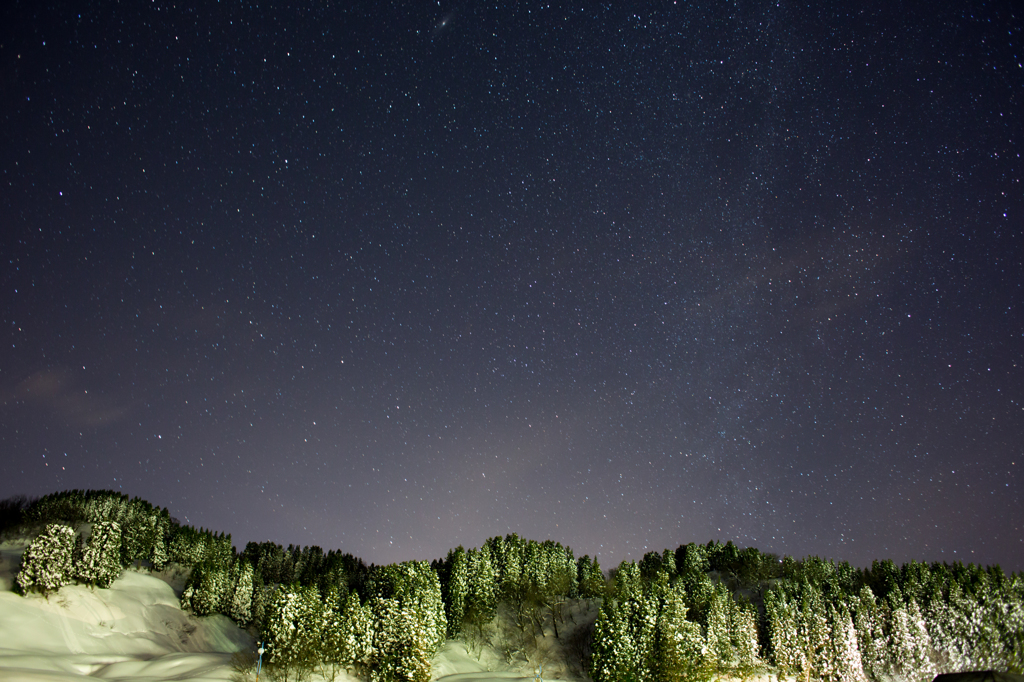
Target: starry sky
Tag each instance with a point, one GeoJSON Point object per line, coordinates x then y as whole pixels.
{"type": "Point", "coordinates": [395, 277]}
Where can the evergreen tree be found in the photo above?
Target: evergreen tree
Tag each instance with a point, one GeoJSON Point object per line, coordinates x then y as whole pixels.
{"type": "Point", "coordinates": [716, 628]}
{"type": "Point", "coordinates": [872, 641]}
{"type": "Point", "coordinates": [356, 643]}
{"type": "Point", "coordinates": [416, 586]}
{"type": "Point", "coordinates": [627, 581]}
{"type": "Point", "coordinates": [100, 561]}
{"type": "Point", "coordinates": [46, 564]}
{"type": "Point", "coordinates": [644, 626]}
{"type": "Point", "coordinates": [159, 556]}
{"type": "Point", "coordinates": [844, 651]}
{"type": "Point", "coordinates": [614, 655]}
{"type": "Point", "coordinates": [482, 596]}
{"type": "Point", "coordinates": [591, 578]}
{"type": "Point", "coordinates": [782, 619]}
{"type": "Point", "coordinates": [292, 632]}
{"type": "Point", "coordinates": [692, 559]}
{"type": "Point", "coordinates": [668, 563]}
{"type": "Point", "coordinates": [258, 606]}
{"type": "Point", "coordinates": [455, 588]}
{"type": "Point", "coordinates": [909, 644]}
{"type": "Point", "coordinates": [813, 631]}
{"type": "Point", "coordinates": [240, 604]}
{"type": "Point", "coordinates": [332, 658]}
{"type": "Point", "coordinates": [207, 590]}
{"type": "Point", "coordinates": [138, 533]}
{"type": "Point", "coordinates": [743, 636]}
{"type": "Point", "coordinates": [401, 644]}
{"type": "Point", "coordinates": [483, 583]}
{"type": "Point", "coordinates": [681, 651]}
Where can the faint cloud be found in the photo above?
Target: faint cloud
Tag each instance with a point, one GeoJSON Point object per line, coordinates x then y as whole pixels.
{"type": "Point", "coordinates": [53, 390]}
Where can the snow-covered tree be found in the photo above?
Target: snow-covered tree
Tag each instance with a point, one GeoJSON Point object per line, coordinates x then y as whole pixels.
{"type": "Point", "coordinates": [869, 622]}
{"type": "Point", "coordinates": [207, 590]}
{"type": "Point", "coordinates": [591, 578]}
{"type": "Point", "coordinates": [416, 585]}
{"type": "Point", "coordinates": [782, 618]}
{"type": "Point", "coordinates": [909, 644]}
{"type": "Point", "coordinates": [138, 533]}
{"type": "Point", "coordinates": [455, 586]}
{"type": "Point", "coordinates": [681, 649]}
{"type": "Point", "coordinates": [813, 630]}
{"type": "Point", "coordinates": [716, 628]}
{"type": "Point", "coordinates": [292, 632]}
{"type": "Point", "coordinates": [100, 561]}
{"type": "Point", "coordinates": [347, 633]}
{"type": "Point", "coordinates": [692, 559]}
{"type": "Point", "coordinates": [668, 563]}
{"type": "Point", "coordinates": [644, 625]}
{"type": "Point", "coordinates": [482, 595]}
{"type": "Point", "coordinates": [508, 555]}
{"type": "Point", "coordinates": [261, 596]}
{"type": "Point", "coordinates": [627, 581]}
{"type": "Point", "coordinates": [743, 636]}
{"type": "Point", "coordinates": [614, 655]}
{"type": "Point", "coordinates": [357, 642]}
{"type": "Point", "coordinates": [46, 564]}
{"type": "Point", "coordinates": [843, 652]}
{"type": "Point", "coordinates": [401, 643]}
{"type": "Point", "coordinates": [240, 604]}
{"type": "Point", "coordinates": [159, 556]}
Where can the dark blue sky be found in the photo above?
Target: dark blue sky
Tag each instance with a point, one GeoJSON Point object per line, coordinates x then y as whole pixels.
{"type": "Point", "coordinates": [396, 277]}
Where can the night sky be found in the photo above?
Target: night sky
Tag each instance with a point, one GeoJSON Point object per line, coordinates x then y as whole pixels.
{"type": "Point", "coordinates": [395, 277]}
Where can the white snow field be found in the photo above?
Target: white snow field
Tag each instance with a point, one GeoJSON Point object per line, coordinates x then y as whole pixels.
{"type": "Point", "coordinates": [135, 631]}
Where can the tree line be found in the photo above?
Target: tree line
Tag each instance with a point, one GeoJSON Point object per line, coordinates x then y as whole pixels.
{"type": "Point", "coordinates": [689, 614]}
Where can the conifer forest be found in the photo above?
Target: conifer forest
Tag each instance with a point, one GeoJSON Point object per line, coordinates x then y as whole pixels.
{"type": "Point", "coordinates": [693, 613]}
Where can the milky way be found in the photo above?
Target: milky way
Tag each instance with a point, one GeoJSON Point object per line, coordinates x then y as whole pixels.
{"type": "Point", "coordinates": [397, 278]}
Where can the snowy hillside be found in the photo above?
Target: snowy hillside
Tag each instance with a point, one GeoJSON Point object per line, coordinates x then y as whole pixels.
{"type": "Point", "coordinates": [136, 631]}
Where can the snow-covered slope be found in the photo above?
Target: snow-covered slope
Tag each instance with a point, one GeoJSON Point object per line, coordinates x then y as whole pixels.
{"type": "Point", "coordinates": [133, 631]}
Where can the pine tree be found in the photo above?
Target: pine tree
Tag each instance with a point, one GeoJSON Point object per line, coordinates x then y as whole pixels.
{"type": "Point", "coordinates": [258, 606]}
{"type": "Point", "coordinates": [356, 642]}
{"type": "Point", "coordinates": [844, 651]}
{"type": "Point", "coordinates": [416, 585]}
{"type": "Point", "coordinates": [909, 644]}
{"type": "Point", "coordinates": [871, 637]}
{"type": "Point", "coordinates": [681, 651]}
{"type": "Point", "coordinates": [716, 629]}
{"type": "Point", "coordinates": [627, 581]}
{"type": "Point", "coordinates": [159, 556]}
{"type": "Point", "coordinates": [46, 565]}
{"type": "Point", "coordinates": [743, 636]}
{"type": "Point", "coordinates": [644, 630]}
{"type": "Point", "coordinates": [782, 620]}
{"type": "Point", "coordinates": [240, 605]}
{"type": "Point", "coordinates": [614, 655]}
{"type": "Point", "coordinates": [207, 590]}
{"type": "Point", "coordinates": [668, 563]}
{"type": "Point", "coordinates": [100, 561]}
{"type": "Point", "coordinates": [591, 578]}
{"type": "Point", "coordinates": [812, 630]}
{"type": "Point", "coordinates": [400, 644]}
{"type": "Point", "coordinates": [292, 632]}
{"type": "Point", "coordinates": [332, 632]}
{"type": "Point", "coordinates": [455, 587]}
{"type": "Point", "coordinates": [482, 594]}
{"type": "Point", "coordinates": [137, 535]}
